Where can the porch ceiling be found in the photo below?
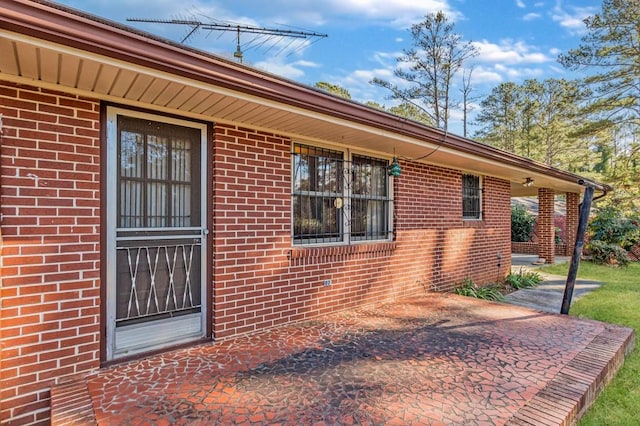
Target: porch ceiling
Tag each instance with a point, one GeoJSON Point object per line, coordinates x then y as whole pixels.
{"type": "Point", "coordinates": [55, 48]}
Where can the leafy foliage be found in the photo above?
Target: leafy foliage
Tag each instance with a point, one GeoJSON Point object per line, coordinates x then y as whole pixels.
{"type": "Point", "coordinates": [333, 89]}
{"type": "Point", "coordinates": [610, 49]}
{"type": "Point", "coordinates": [560, 224]}
{"type": "Point", "coordinates": [522, 224]}
{"type": "Point", "coordinates": [536, 120]}
{"type": "Point", "coordinates": [611, 235]}
{"type": "Point", "coordinates": [412, 112]}
{"type": "Point", "coordinates": [612, 227]}
{"type": "Point", "coordinates": [604, 253]}
{"type": "Point", "coordinates": [523, 279]}
{"type": "Point", "coordinates": [470, 289]}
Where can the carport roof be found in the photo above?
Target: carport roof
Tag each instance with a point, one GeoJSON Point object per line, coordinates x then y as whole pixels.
{"type": "Point", "coordinates": [60, 48]}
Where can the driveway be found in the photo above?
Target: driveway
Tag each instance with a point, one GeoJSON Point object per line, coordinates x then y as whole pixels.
{"type": "Point", "coordinates": [438, 359]}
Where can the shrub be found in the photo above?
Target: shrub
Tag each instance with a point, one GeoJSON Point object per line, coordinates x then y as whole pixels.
{"type": "Point", "coordinates": [522, 279]}
{"type": "Point", "coordinates": [607, 254]}
{"type": "Point", "coordinates": [560, 224]}
{"type": "Point", "coordinates": [612, 227]}
{"type": "Point", "coordinates": [522, 223]}
{"type": "Point", "coordinates": [470, 289]}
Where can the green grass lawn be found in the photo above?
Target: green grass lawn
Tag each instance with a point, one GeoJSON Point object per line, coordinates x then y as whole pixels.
{"type": "Point", "coordinates": [616, 302]}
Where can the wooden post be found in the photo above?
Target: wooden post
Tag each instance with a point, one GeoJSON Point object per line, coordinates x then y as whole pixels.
{"type": "Point", "coordinates": [577, 249]}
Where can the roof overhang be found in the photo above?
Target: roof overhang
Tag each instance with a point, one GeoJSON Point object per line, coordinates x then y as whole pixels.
{"type": "Point", "coordinates": [48, 45]}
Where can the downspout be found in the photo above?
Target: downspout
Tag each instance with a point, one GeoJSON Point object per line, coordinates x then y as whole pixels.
{"type": "Point", "coordinates": [585, 209]}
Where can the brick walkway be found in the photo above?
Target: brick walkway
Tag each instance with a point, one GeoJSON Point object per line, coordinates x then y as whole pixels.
{"type": "Point", "coordinates": [440, 359]}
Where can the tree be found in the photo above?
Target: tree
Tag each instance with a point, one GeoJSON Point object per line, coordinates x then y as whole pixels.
{"type": "Point", "coordinates": [334, 89]}
{"type": "Point", "coordinates": [404, 109]}
{"type": "Point", "coordinates": [428, 68]}
{"type": "Point", "coordinates": [499, 117]}
{"type": "Point", "coordinates": [411, 112]}
{"type": "Point", "coordinates": [611, 47]}
{"type": "Point", "coordinates": [375, 105]}
{"type": "Point", "coordinates": [536, 119]}
{"type": "Point", "coordinates": [610, 50]}
{"type": "Point", "coordinates": [554, 109]}
{"type": "Point", "coordinates": [466, 90]}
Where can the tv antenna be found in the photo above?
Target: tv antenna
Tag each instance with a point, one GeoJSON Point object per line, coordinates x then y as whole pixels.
{"type": "Point", "coordinates": [266, 33]}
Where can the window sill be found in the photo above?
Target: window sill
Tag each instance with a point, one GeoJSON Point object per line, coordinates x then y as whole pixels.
{"type": "Point", "coordinates": [332, 253]}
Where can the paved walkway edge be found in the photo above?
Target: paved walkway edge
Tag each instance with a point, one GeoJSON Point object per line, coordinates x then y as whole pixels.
{"type": "Point", "coordinates": [71, 404]}
{"type": "Point", "coordinates": [570, 394]}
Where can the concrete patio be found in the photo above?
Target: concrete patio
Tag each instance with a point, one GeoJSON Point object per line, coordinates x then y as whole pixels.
{"type": "Point", "coordinates": [439, 359]}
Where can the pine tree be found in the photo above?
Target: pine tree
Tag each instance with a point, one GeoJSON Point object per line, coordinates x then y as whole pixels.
{"type": "Point", "coordinates": [428, 68]}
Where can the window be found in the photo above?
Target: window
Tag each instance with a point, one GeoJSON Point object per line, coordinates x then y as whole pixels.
{"type": "Point", "coordinates": [158, 170]}
{"type": "Point", "coordinates": [471, 197]}
{"type": "Point", "coordinates": [338, 199]}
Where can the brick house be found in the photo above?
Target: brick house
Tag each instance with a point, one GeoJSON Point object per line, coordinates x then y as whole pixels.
{"type": "Point", "coordinates": [155, 196]}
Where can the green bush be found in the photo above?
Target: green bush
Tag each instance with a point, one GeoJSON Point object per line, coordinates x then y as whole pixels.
{"type": "Point", "coordinates": [470, 289]}
{"type": "Point", "coordinates": [522, 279]}
{"type": "Point", "coordinates": [522, 224]}
{"type": "Point", "coordinates": [607, 254]}
{"type": "Point", "coordinates": [612, 227]}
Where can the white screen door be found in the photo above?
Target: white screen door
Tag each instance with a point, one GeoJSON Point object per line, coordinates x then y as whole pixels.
{"type": "Point", "coordinates": [156, 232]}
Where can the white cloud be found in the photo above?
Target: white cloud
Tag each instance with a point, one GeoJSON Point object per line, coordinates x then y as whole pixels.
{"type": "Point", "coordinates": [291, 70]}
{"type": "Point", "coordinates": [400, 13]}
{"type": "Point", "coordinates": [485, 75]}
{"type": "Point", "coordinates": [531, 16]}
{"type": "Point", "coordinates": [518, 74]}
{"type": "Point", "coordinates": [397, 13]}
{"type": "Point", "coordinates": [509, 52]}
{"type": "Point", "coordinates": [520, 4]}
{"type": "Point", "coordinates": [386, 59]}
{"type": "Point", "coordinates": [571, 18]}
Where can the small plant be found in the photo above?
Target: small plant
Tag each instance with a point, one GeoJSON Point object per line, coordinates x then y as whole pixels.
{"type": "Point", "coordinates": [522, 279]}
{"type": "Point", "coordinates": [470, 289]}
{"type": "Point", "coordinates": [607, 254]}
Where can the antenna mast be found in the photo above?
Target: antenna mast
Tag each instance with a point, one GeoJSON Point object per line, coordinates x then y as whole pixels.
{"type": "Point", "coordinates": [227, 27]}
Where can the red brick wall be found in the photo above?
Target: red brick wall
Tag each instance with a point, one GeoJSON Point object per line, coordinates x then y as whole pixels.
{"type": "Point", "coordinates": [531, 247]}
{"type": "Point", "coordinates": [260, 281]}
{"type": "Point", "coordinates": [49, 246]}
{"type": "Point", "coordinates": [50, 242]}
{"type": "Point", "coordinates": [437, 247]}
{"type": "Point", "coordinates": [572, 218]}
{"type": "Point", "coordinates": [546, 228]}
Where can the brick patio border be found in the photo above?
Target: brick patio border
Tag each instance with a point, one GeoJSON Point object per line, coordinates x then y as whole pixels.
{"type": "Point", "coordinates": [71, 404]}
{"type": "Point", "coordinates": [570, 394]}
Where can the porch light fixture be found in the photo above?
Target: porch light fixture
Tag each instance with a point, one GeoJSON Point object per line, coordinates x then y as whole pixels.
{"type": "Point", "coordinates": [528, 182]}
{"type": "Point", "coordinates": [394, 167]}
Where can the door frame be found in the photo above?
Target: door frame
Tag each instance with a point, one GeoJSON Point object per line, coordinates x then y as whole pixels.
{"type": "Point", "coordinates": [108, 120]}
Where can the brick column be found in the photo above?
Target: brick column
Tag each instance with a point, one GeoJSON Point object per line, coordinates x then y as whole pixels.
{"type": "Point", "coordinates": [546, 229]}
{"type": "Point", "coordinates": [573, 214]}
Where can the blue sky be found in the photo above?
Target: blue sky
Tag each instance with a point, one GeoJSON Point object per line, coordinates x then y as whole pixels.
{"type": "Point", "coordinates": [517, 39]}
